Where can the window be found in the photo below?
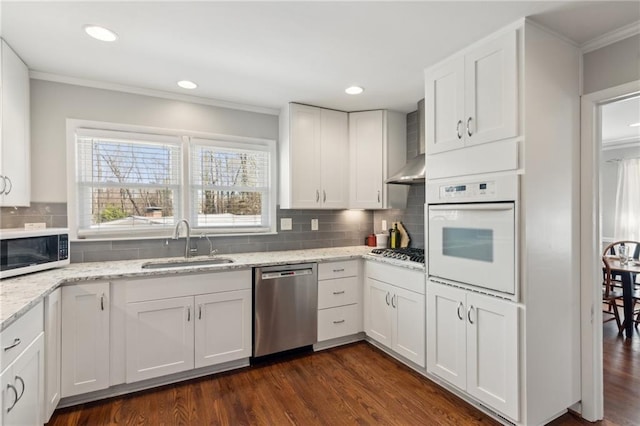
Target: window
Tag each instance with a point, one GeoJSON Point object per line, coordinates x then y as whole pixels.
{"type": "Point", "coordinates": [130, 184]}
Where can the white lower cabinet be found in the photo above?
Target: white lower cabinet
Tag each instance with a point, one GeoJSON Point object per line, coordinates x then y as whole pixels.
{"type": "Point", "coordinates": [52, 351]}
{"type": "Point", "coordinates": [23, 387]}
{"type": "Point", "coordinates": [85, 338]}
{"type": "Point", "coordinates": [172, 328]}
{"type": "Point", "coordinates": [395, 309]}
{"type": "Point", "coordinates": [339, 299]}
{"type": "Point", "coordinates": [472, 343]}
{"type": "Point", "coordinates": [22, 370]}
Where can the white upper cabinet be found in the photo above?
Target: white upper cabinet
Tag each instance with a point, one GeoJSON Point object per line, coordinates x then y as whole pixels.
{"type": "Point", "coordinates": [15, 185]}
{"type": "Point", "coordinates": [313, 158]}
{"type": "Point", "coordinates": [473, 98]}
{"type": "Point", "coordinates": [378, 148]}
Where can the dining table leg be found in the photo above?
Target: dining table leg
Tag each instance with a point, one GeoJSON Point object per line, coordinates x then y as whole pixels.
{"type": "Point", "coordinates": [627, 297]}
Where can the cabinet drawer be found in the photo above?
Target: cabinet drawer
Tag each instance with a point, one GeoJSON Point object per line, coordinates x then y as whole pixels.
{"type": "Point", "coordinates": [338, 292]}
{"type": "Point", "coordinates": [20, 334]}
{"type": "Point", "coordinates": [397, 275]}
{"type": "Point", "coordinates": [328, 271]}
{"type": "Point", "coordinates": [339, 322]}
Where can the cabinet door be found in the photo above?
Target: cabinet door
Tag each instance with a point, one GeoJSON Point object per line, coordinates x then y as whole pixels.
{"type": "Point", "coordinates": [52, 334]}
{"type": "Point", "coordinates": [446, 334]}
{"type": "Point", "coordinates": [85, 338]}
{"type": "Point", "coordinates": [444, 107]}
{"type": "Point", "coordinates": [15, 142]}
{"type": "Point", "coordinates": [366, 142]}
{"type": "Point", "coordinates": [159, 337]}
{"type": "Point", "coordinates": [379, 312]}
{"type": "Point", "coordinates": [408, 327]}
{"type": "Point", "coordinates": [334, 159]}
{"type": "Point", "coordinates": [23, 387]}
{"type": "Point", "coordinates": [491, 91]}
{"type": "Point", "coordinates": [305, 134]}
{"type": "Point", "coordinates": [222, 327]}
{"type": "Point", "coordinates": [492, 352]}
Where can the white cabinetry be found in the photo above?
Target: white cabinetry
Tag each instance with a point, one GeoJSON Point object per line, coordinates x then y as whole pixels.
{"type": "Point", "coordinates": [339, 299]}
{"type": "Point", "coordinates": [395, 309]}
{"type": "Point", "coordinates": [377, 149]}
{"type": "Point", "coordinates": [85, 338]}
{"type": "Point", "coordinates": [22, 370]}
{"type": "Point", "coordinates": [473, 97]}
{"type": "Point", "coordinates": [52, 351]}
{"type": "Point", "coordinates": [15, 186]}
{"type": "Point", "coordinates": [473, 344]}
{"type": "Point", "coordinates": [178, 323]}
{"type": "Point", "coordinates": [314, 153]}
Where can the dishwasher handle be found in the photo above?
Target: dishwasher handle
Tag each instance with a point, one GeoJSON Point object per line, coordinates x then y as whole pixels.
{"type": "Point", "coordinates": [286, 274]}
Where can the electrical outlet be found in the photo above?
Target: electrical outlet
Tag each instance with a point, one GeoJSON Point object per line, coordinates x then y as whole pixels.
{"type": "Point", "coordinates": [37, 225]}
{"type": "Point", "coordinates": [314, 224]}
{"type": "Point", "coordinates": [384, 225]}
{"type": "Point", "coordinates": [286, 224]}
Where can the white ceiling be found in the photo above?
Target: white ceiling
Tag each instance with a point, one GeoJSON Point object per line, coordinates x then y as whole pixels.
{"type": "Point", "coordinates": [269, 53]}
{"type": "Point", "coordinates": [616, 118]}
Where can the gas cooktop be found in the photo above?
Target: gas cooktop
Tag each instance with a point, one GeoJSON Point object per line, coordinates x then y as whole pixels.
{"type": "Point", "coordinates": [410, 254]}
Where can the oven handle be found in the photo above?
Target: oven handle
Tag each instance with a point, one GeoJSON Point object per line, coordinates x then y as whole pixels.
{"type": "Point", "coordinates": [483, 207]}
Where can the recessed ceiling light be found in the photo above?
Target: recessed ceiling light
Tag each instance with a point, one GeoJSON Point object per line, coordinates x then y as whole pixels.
{"type": "Point", "coordinates": [186, 84]}
{"type": "Point", "coordinates": [100, 33]}
{"type": "Point", "coordinates": [635, 124]}
{"type": "Point", "coordinates": [353, 90]}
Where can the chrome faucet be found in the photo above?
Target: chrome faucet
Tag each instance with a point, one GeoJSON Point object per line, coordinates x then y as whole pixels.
{"type": "Point", "coordinates": [176, 231]}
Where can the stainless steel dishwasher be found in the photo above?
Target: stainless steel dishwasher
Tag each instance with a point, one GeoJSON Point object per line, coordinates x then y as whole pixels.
{"type": "Point", "coordinates": [285, 300]}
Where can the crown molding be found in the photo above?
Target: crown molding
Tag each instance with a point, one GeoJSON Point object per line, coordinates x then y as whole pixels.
{"type": "Point", "coordinates": [37, 75]}
{"type": "Point", "coordinates": [611, 37]}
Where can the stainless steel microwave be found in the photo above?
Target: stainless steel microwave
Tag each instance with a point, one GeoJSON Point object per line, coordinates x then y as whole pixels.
{"type": "Point", "coordinates": [23, 252]}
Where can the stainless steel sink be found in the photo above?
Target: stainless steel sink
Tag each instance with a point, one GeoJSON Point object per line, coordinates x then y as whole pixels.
{"type": "Point", "coordinates": [186, 262]}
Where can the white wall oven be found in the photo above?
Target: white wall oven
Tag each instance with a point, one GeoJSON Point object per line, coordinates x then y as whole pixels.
{"type": "Point", "coordinates": [472, 228]}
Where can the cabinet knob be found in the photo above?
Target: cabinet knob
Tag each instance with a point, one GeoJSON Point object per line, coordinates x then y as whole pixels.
{"type": "Point", "coordinates": [4, 184]}
{"type": "Point", "coordinates": [458, 129]}
{"type": "Point", "coordinates": [15, 343]}
{"type": "Point", "coordinates": [387, 299]}
{"type": "Point", "coordinates": [19, 379]}
{"type": "Point", "coordinates": [394, 300]}
{"type": "Point", "coordinates": [338, 292]}
{"type": "Point", "coordinates": [188, 313]}
{"type": "Point", "coordinates": [460, 317]}
{"type": "Point", "coordinates": [378, 195]}
{"type": "Point", "coordinates": [15, 395]}
{"type": "Point", "coordinates": [324, 196]}
{"type": "Point", "coordinates": [317, 196]}
{"type": "Point", "coordinates": [469, 127]}
{"type": "Point", "coordinates": [471, 308]}
{"type": "Point", "coordinates": [338, 322]}
{"type": "Point", "coordinates": [102, 302]}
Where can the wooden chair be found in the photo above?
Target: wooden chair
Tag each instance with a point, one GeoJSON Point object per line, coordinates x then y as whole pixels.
{"type": "Point", "coordinates": [611, 290]}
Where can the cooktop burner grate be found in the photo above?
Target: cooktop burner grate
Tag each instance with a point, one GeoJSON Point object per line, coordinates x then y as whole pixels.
{"type": "Point", "coordinates": [410, 254]}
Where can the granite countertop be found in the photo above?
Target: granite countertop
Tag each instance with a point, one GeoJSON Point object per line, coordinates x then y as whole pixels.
{"type": "Point", "coordinates": [19, 294]}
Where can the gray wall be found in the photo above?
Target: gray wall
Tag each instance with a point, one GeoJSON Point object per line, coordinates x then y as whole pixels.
{"type": "Point", "coordinates": [52, 103]}
{"type": "Point", "coordinates": [612, 65]}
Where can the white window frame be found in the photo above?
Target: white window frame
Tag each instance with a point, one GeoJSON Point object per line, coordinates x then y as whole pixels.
{"type": "Point", "coordinates": [184, 202]}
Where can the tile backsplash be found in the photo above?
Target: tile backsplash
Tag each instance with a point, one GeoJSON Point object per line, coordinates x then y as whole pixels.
{"type": "Point", "coordinates": [336, 227]}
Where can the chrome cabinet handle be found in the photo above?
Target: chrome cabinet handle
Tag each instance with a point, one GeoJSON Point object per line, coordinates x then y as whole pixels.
{"type": "Point", "coordinates": [471, 308]}
{"type": "Point", "coordinates": [7, 179]}
{"type": "Point", "coordinates": [338, 292]}
{"type": "Point", "coordinates": [469, 127]}
{"type": "Point", "coordinates": [4, 184]}
{"type": "Point", "coordinates": [324, 196]}
{"type": "Point", "coordinates": [15, 394]}
{"type": "Point", "coordinates": [15, 343]}
{"type": "Point", "coordinates": [188, 313]}
{"type": "Point", "coordinates": [378, 195]}
{"type": "Point", "coordinates": [21, 381]}
{"type": "Point", "coordinates": [339, 270]}
{"type": "Point", "coordinates": [387, 299]}
{"type": "Point", "coordinates": [394, 300]}
{"type": "Point", "coordinates": [199, 312]}
{"type": "Point", "coordinates": [317, 196]}
{"type": "Point", "coordinates": [458, 132]}
{"type": "Point", "coordinates": [460, 317]}
{"type": "Point", "coordinates": [102, 302]}
{"type": "Point", "coordinates": [339, 321]}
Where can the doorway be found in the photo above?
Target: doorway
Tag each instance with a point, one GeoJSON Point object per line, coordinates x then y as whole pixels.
{"type": "Point", "coordinates": [591, 228]}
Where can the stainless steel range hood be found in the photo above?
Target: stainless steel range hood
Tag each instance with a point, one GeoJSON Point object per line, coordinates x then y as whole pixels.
{"type": "Point", "coordinates": [414, 170]}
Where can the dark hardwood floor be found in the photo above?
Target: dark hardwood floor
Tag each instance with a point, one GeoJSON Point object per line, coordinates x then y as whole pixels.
{"type": "Point", "coordinates": [353, 384]}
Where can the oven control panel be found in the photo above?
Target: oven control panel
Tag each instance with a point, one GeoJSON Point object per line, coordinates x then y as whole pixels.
{"type": "Point", "coordinates": [468, 190]}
